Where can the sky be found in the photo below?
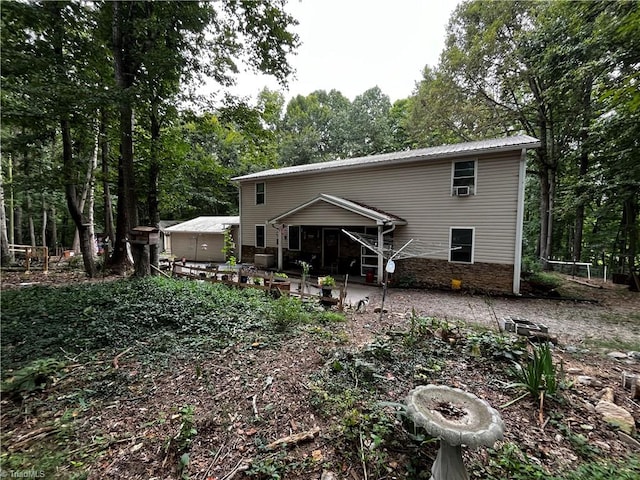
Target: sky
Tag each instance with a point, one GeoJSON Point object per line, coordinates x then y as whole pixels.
{"type": "Point", "coordinates": [355, 45]}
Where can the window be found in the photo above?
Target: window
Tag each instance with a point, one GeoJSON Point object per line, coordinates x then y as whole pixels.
{"type": "Point", "coordinates": [260, 193]}
{"type": "Point", "coordinates": [294, 237]}
{"type": "Point", "coordinates": [464, 175]}
{"type": "Point", "coordinates": [260, 236]}
{"type": "Point", "coordinates": [462, 241]}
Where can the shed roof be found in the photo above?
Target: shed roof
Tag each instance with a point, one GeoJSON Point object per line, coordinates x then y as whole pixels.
{"type": "Point", "coordinates": [205, 225]}
{"type": "Point", "coordinates": [516, 142]}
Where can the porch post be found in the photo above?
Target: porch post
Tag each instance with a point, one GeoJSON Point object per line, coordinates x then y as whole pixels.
{"type": "Point", "coordinates": [380, 275]}
{"type": "Point", "coordinates": [280, 263]}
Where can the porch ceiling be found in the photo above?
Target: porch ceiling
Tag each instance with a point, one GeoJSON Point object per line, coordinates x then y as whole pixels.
{"type": "Point", "coordinates": [330, 210]}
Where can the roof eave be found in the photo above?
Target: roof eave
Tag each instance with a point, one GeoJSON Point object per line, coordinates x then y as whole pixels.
{"type": "Point", "coordinates": [400, 161]}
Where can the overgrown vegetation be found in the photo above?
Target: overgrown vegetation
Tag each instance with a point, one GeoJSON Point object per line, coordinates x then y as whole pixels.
{"type": "Point", "coordinates": [60, 352]}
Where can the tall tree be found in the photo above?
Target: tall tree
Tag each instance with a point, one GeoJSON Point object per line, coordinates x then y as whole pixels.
{"type": "Point", "coordinates": [179, 39]}
{"type": "Point", "coordinates": [370, 124]}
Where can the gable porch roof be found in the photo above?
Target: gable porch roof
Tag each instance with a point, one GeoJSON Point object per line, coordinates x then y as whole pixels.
{"type": "Point", "coordinates": [376, 216]}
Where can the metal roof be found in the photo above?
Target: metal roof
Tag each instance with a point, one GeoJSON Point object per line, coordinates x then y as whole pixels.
{"type": "Point", "coordinates": [516, 142]}
{"type": "Point", "coordinates": [379, 216]}
{"type": "Point", "coordinates": [205, 225]}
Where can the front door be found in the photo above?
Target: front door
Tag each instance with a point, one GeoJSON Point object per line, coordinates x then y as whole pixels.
{"type": "Point", "coordinates": [330, 247]}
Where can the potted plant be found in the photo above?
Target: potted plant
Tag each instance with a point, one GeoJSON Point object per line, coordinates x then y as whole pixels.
{"type": "Point", "coordinates": [326, 283]}
{"type": "Point", "coordinates": [280, 281]}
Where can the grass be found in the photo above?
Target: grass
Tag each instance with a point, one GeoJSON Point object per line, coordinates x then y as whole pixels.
{"type": "Point", "coordinates": [611, 344]}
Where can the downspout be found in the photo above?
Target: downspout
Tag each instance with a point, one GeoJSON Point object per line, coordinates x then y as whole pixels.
{"type": "Point", "coordinates": [381, 235]}
{"type": "Point", "coordinates": [517, 260]}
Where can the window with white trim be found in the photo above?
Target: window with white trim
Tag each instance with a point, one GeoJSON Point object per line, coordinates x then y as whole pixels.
{"type": "Point", "coordinates": [461, 243]}
{"type": "Point", "coordinates": [294, 237]}
{"type": "Point", "coordinates": [260, 236]}
{"type": "Point", "coordinates": [260, 193]}
{"type": "Point", "coordinates": [464, 178]}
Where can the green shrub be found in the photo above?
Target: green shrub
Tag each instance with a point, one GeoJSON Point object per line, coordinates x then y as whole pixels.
{"type": "Point", "coordinates": [538, 373]}
{"type": "Point", "coordinates": [288, 312]}
{"type": "Point", "coordinates": [544, 281]}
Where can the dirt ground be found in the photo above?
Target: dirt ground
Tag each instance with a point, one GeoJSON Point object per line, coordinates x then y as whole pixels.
{"type": "Point", "coordinates": [251, 394]}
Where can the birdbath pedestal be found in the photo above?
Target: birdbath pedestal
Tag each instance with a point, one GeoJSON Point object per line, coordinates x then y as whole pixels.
{"type": "Point", "coordinates": [457, 418]}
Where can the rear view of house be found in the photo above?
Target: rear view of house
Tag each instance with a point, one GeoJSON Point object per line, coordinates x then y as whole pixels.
{"type": "Point", "coordinates": [460, 205]}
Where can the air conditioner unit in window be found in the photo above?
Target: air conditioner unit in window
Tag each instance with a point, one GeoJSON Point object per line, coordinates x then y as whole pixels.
{"type": "Point", "coordinates": [462, 191]}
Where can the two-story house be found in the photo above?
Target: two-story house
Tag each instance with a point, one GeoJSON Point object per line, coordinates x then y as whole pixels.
{"type": "Point", "coordinates": [464, 203]}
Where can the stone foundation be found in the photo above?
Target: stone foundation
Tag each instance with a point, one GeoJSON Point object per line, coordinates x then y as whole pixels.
{"type": "Point", "coordinates": [430, 273]}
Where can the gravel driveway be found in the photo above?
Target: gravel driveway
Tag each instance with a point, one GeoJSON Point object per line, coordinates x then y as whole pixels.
{"type": "Point", "coordinates": [610, 313]}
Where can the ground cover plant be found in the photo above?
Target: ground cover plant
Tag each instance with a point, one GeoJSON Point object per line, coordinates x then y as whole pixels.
{"type": "Point", "coordinates": [177, 379]}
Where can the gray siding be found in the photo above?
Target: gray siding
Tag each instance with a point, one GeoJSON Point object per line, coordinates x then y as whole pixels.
{"type": "Point", "coordinates": [189, 245]}
{"type": "Point", "coordinates": [420, 193]}
{"type": "Point", "coordinates": [323, 213]}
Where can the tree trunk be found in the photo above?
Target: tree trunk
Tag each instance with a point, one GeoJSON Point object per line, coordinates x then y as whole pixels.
{"type": "Point", "coordinates": [44, 223]}
{"type": "Point", "coordinates": [127, 202]}
{"type": "Point", "coordinates": [154, 175]}
{"type": "Point", "coordinates": [32, 230]}
{"type": "Point", "coordinates": [88, 192]}
{"type": "Point", "coordinates": [5, 256]}
{"type": "Point", "coordinates": [91, 194]}
{"type": "Point", "coordinates": [86, 244]}
{"type": "Point", "coordinates": [54, 231]}
{"type": "Point", "coordinates": [17, 226]}
{"type": "Point", "coordinates": [108, 207]}
{"type": "Point", "coordinates": [68, 164]}
{"type": "Point", "coordinates": [12, 210]}
{"type": "Point", "coordinates": [581, 189]}
{"type": "Point", "coordinates": [629, 227]}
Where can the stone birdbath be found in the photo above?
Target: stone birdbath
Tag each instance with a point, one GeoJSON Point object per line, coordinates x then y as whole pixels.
{"type": "Point", "coordinates": [457, 418]}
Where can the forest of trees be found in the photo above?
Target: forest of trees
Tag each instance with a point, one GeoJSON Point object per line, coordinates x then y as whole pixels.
{"type": "Point", "coordinates": [102, 130]}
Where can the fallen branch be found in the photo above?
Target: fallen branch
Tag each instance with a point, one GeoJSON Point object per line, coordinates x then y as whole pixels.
{"type": "Point", "coordinates": [241, 466]}
{"type": "Point", "coordinates": [508, 404]}
{"type": "Point", "coordinates": [117, 357]}
{"type": "Point", "coordinates": [295, 438]}
{"type": "Point", "coordinates": [255, 406]}
{"type": "Point", "coordinates": [33, 436]}
{"type": "Point", "coordinates": [586, 284]}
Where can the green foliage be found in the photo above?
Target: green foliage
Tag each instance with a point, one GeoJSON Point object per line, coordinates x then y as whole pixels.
{"type": "Point", "coordinates": [38, 322]}
{"type": "Point", "coordinates": [229, 247]}
{"type": "Point", "coordinates": [538, 374]}
{"type": "Point", "coordinates": [544, 280]}
{"type": "Point", "coordinates": [274, 466]}
{"type": "Point", "coordinates": [364, 436]}
{"type": "Point", "coordinates": [530, 264]}
{"type": "Point", "coordinates": [579, 442]}
{"type": "Point", "coordinates": [288, 311]}
{"type": "Point", "coordinates": [496, 346]}
{"type": "Point", "coordinates": [508, 462]}
{"type": "Point", "coordinates": [187, 430]}
{"type": "Point", "coordinates": [35, 376]}
{"type": "Point", "coordinates": [328, 281]}
{"type": "Point", "coordinates": [625, 469]}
